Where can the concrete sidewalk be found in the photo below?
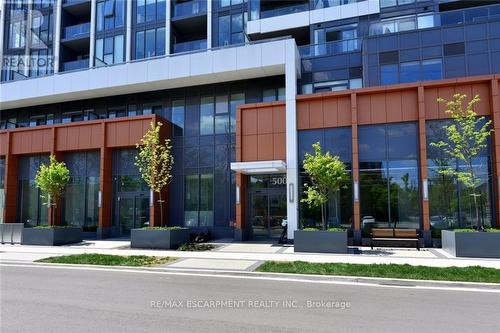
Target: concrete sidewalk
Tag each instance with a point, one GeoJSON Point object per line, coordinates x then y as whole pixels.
{"type": "Point", "coordinates": [247, 256]}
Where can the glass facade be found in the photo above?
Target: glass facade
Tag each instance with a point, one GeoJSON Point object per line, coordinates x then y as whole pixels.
{"type": "Point", "coordinates": [32, 204]}
{"type": "Point", "coordinates": [82, 192]}
{"type": "Point", "coordinates": [198, 200]}
{"type": "Point", "coordinates": [149, 28]}
{"type": "Point", "coordinates": [337, 141]}
{"type": "Point", "coordinates": [110, 32]}
{"type": "Point", "coordinates": [389, 177]}
{"type": "Point", "coordinates": [451, 204]}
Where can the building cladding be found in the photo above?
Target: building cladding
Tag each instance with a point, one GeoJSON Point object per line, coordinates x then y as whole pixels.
{"type": "Point", "coordinates": [245, 88]}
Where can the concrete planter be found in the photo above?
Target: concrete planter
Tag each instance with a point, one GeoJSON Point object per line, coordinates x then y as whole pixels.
{"type": "Point", "coordinates": [52, 236]}
{"type": "Point", "coordinates": [158, 238]}
{"type": "Point", "coordinates": [471, 244]}
{"type": "Point", "coordinates": [320, 241]}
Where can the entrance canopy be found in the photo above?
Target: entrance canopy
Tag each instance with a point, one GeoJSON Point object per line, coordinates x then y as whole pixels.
{"type": "Point", "coordinates": [259, 167]}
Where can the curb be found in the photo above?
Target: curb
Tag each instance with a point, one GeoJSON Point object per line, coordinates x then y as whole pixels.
{"type": "Point", "coordinates": [333, 279]}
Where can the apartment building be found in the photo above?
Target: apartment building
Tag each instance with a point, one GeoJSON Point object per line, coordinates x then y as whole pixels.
{"type": "Point", "coordinates": [245, 87]}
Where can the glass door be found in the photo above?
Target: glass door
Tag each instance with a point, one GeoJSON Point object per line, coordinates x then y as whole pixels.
{"type": "Point", "coordinates": [133, 212]}
{"type": "Point", "coordinates": [259, 216]}
{"type": "Point", "coordinates": [277, 213]}
{"type": "Point", "coordinates": [267, 212]}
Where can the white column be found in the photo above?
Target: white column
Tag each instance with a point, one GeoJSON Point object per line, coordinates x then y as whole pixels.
{"type": "Point", "coordinates": [168, 23]}
{"type": "Point", "coordinates": [128, 33]}
{"type": "Point", "coordinates": [292, 176]}
{"type": "Point", "coordinates": [2, 23]}
{"type": "Point", "coordinates": [93, 7]}
{"type": "Point", "coordinates": [57, 35]}
{"type": "Point", "coordinates": [209, 24]}
{"type": "Point", "coordinates": [27, 64]}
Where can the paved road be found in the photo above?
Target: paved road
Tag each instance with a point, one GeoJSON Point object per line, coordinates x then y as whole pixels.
{"type": "Point", "coordinates": [40, 299]}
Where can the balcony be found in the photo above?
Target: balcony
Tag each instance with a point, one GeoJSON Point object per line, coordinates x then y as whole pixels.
{"type": "Point", "coordinates": [190, 46]}
{"type": "Point", "coordinates": [75, 64]}
{"type": "Point", "coordinates": [74, 2]}
{"type": "Point", "coordinates": [77, 31]}
{"type": "Point", "coordinates": [423, 21]}
{"type": "Point", "coordinates": [330, 48]}
{"type": "Point", "coordinates": [189, 8]}
{"type": "Point", "coordinates": [285, 10]}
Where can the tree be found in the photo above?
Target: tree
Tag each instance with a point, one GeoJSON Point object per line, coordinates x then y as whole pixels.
{"type": "Point", "coordinates": [328, 175]}
{"type": "Point", "coordinates": [51, 179]}
{"type": "Point", "coordinates": [467, 136]}
{"type": "Point", "coordinates": [155, 161]}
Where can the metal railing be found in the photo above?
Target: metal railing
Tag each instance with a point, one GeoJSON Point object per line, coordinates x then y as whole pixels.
{"type": "Point", "coordinates": [190, 8]}
{"type": "Point", "coordinates": [422, 21]}
{"type": "Point", "coordinates": [78, 30]}
{"type": "Point", "coordinates": [330, 48]}
{"type": "Point", "coordinates": [284, 10]}
{"type": "Point", "coordinates": [75, 64]}
{"type": "Point", "coordinates": [190, 46]}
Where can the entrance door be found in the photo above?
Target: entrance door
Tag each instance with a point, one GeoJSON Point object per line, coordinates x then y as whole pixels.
{"type": "Point", "coordinates": [267, 212]}
{"type": "Point", "coordinates": [133, 212]}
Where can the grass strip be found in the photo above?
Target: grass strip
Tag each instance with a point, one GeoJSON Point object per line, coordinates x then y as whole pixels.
{"type": "Point", "coordinates": [107, 260]}
{"type": "Point", "coordinates": [464, 274]}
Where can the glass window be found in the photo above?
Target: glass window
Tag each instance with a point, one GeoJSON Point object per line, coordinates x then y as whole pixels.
{"type": "Point", "coordinates": [432, 69]}
{"type": "Point", "coordinates": [389, 74]}
{"type": "Point", "coordinates": [207, 116]}
{"type": "Point", "coordinates": [451, 205]}
{"type": "Point", "coordinates": [141, 11]}
{"type": "Point", "coordinates": [160, 10]}
{"type": "Point", "coordinates": [224, 30]}
{"type": "Point", "coordinates": [206, 200]}
{"type": "Point", "coordinates": [178, 117]}
{"type": "Point", "coordinates": [139, 45]}
{"type": "Point", "coordinates": [387, 3]}
{"type": "Point", "coordinates": [425, 21]}
{"type": "Point", "coordinates": [150, 10]}
{"type": "Point", "coordinates": [119, 13]}
{"type": "Point", "coordinates": [150, 43]}
{"type": "Point", "coordinates": [410, 71]}
{"type": "Point", "coordinates": [32, 205]}
{"type": "Point", "coordinates": [118, 49]}
{"type": "Point", "coordinates": [389, 182]}
{"type": "Point", "coordinates": [160, 41]}
{"type": "Point", "coordinates": [269, 95]}
{"type": "Point", "coordinates": [221, 104]}
{"type": "Point", "coordinates": [191, 200]}
{"type": "Point", "coordinates": [99, 49]}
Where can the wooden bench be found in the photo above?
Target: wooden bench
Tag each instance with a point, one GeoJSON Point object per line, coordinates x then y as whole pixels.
{"type": "Point", "coordinates": [395, 235]}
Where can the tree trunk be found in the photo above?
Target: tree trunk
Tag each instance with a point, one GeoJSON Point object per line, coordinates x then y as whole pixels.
{"type": "Point", "coordinates": [323, 222]}
{"type": "Point", "coordinates": [161, 210]}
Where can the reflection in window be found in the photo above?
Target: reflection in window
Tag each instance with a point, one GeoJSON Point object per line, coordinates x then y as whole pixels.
{"type": "Point", "coordinates": [450, 203]}
{"type": "Point", "coordinates": [207, 115]}
{"type": "Point", "coordinates": [389, 180]}
{"type": "Point", "coordinates": [389, 74]}
{"type": "Point", "coordinates": [32, 204]}
{"type": "Point", "coordinates": [198, 200]}
{"type": "Point", "coordinates": [339, 208]}
{"type": "Point", "coordinates": [84, 184]}
{"type": "Point", "coordinates": [178, 117]}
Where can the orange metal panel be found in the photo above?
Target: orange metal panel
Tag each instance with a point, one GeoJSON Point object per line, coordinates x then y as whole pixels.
{"type": "Point", "coordinates": [279, 119]}
{"type": "Point", "coordinates": [265, 120]}
{"type": "Point", "coordinates": [279, 146]}
{"type": "Point", "coordinates": [264, 147]}
{"type": "Point", "coordinates": [316, 114]}
{"type": "Point", "coordinates": [364, 109]}
{"type": "Point", "coordinates": [330, 112]}
{"type": "Point", "coordinates": [302, 115]}
{"type": "Point", "coordinates": [249, 121]}
{"type": "Point", "coordinates": [249, 148]}
{"type": "Point", "coordinates": [378, 108]}
{"type": "Point", "coordinates": [394, 109]}
{"type": "Point", "coordinates": [409, 103]}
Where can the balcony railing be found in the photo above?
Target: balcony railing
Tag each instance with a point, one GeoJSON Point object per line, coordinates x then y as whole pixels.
{"type": "Point", "coordinates": [318, 4]}
{"type": "Point", "coordinates": [422, 21]}
{"type": "Point", "coordinates": [73, 2]}
{"type": "Point", "coordinates": [79, 30]}
{"type": "Point", "coordinates": [330, 48]}
{"type": "Point", "coordinates": [190, 8]}
{"type": "Point", "coordinates": [285, 10]}
{"type": "Point", "coordinates": [190, 46]}
{"type": "Point", "coordinates": [76, 64]}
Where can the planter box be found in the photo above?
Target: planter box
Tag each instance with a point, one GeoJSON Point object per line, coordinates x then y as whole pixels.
{"type": "Point", "coordinates": [158, 239]}
{"type": "Point", "coordinates": [471, 244]}
{"type": "Point", "coordinates": [52, 236]}
{"type": "Point", "coordinates": [320, 241]}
